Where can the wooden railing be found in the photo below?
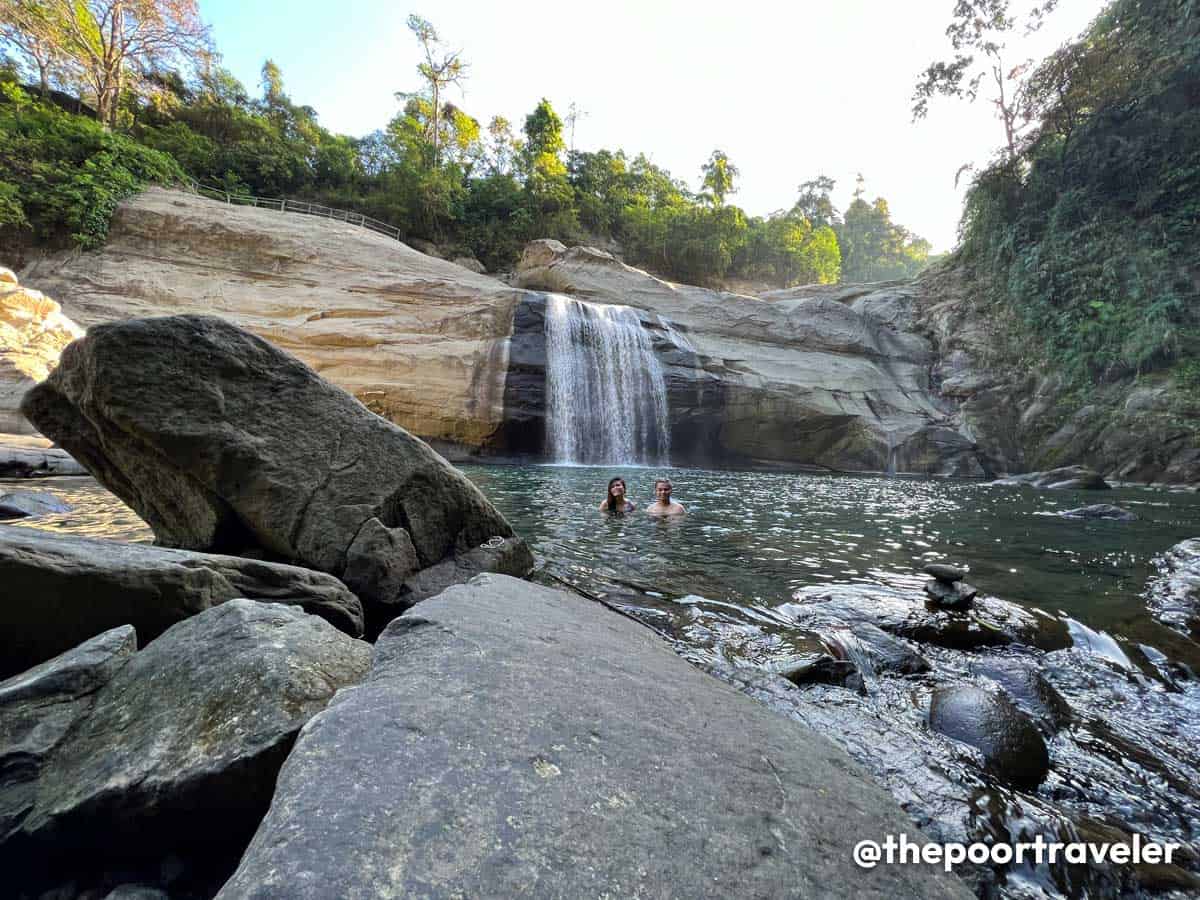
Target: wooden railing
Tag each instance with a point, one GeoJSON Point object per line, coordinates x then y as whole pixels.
{"type": "Point", "coordinates": [283, 204]}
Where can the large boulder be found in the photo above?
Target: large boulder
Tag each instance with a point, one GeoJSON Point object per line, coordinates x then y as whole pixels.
{"type": "Point", "coordinates": [60, 590]}
{"type": "Point", "coordinates": [39, 708]}
{"type": "Point", "coordinates": [516, 740]}
{"type": "Point", "coordinates": [33, 332]}
{"type": "Point", "coordinates": [179, 751]}
{"type": "Point", "coordinates": [222, 442]}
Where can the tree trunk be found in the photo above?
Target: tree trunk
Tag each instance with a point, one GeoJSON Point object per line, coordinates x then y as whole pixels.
{"type": "Point", "coordinates": [437, 122]}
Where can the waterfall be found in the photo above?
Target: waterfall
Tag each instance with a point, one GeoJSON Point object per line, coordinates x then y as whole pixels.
{"type": "Point", "coordinates": [606, 399]}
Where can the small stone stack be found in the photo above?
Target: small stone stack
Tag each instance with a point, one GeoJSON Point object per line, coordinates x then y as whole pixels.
{"type": "Point", "coordinates": [947, 588]}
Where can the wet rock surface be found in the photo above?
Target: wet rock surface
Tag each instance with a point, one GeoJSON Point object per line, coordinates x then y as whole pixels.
{"type": "Point", "coordinates": [1174, 596]}
{"type": "Point", "coordinates": [60, 590]}
{"type": "Point", "coordinates": [178, 752]}
{"type": "Point", "coordinates": [1068, 478]}
{"type": "Point", "coordinates": [1106, 735]}
{"type": "Point", "coordinates": [481, 757]}
{"type": "Point", "coordinates": [224, 443]}
{"type": "Point", "coordinates": [1011, 745]}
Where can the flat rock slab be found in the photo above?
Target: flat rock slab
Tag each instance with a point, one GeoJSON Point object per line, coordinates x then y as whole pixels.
{"type": "Point", "coordinates": [224, 443]}
{"type": "Point", "coordinates": [60, 590]}
{"type": "Point", "coordinates": [181, 747]}
{"type": "Point", "coordinates": [513, 740]}
{"type": "Point", "coordinates": [36, 462]}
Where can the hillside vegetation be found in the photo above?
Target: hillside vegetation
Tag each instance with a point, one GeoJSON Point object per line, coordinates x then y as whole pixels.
{"type": "Point", "coordinates": [1086, 239]}
{"type": "Point", "coordinates": [432, 170]}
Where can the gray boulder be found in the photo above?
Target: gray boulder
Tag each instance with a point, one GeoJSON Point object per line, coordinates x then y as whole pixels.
{"type": "Point", "coordinates": [1012, 746]}
{"type": "Point", "coordinates": [224, 443]}
{"type": "Point", "coordinates": [952, 595]}
{"type": "Point", "coordinates": [513, 740]}
{"type": "Point", "coordinates": [182, 746]}
{"type": "Point", "coordinates": [25, 504]}
{"type": "Point", "coordinates": [63, 589]}
{"type": "Point", "coordinates": [39, 707]}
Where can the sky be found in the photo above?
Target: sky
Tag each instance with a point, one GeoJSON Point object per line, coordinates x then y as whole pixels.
{"type": "Point", "coordinates": [788, 90]}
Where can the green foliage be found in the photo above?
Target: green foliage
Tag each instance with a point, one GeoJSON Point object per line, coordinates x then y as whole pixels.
{"type": "Point", "coordinates": [432, 171]}
{"type": "Point", "coordinates": [62, 175]}
{"type": "Point", "coordinates": [1090, 233]}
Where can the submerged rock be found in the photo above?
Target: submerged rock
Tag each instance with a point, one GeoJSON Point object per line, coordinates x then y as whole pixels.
{"type": "Point", "coordinates": [60, 590]}
{"type": "Point", "coordinates": [1099, 511]}
{"type": "Point", "coordinates": [1174, 595]}
{"type": "Point", "coordinates": [224, 443]}
{"type": "Point", "coordinates": [1066, 478]}
{"type": "Point", "coordinates": [24, 504]}
{"type": "Point", "coordinates": [181, 747]}
{"type": "Point", "coordinates": [1012, 746]}
{"type": "Point", "coordinates": [513, 739]}
{"type": "Point", "coordinates": [986, 622]}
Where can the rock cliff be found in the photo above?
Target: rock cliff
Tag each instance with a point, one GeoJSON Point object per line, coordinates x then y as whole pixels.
{"type": "Point", "coordinates": [904, 377]}
{"type": "Point", "coordinates": [33, 332]}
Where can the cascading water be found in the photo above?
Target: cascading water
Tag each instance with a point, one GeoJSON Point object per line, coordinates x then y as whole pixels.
{"type": "Point", "coordinates": [606, 399]}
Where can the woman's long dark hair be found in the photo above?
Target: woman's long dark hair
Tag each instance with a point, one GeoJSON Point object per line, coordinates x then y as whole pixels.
{"type": "Point", "coordinates": [608, 501]}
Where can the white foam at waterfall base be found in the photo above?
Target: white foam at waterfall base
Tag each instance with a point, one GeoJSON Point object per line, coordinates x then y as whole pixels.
{"type": "Point", "coordinates": [606, 399]}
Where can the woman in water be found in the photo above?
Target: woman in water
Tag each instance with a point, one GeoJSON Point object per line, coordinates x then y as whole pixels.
{"type": "Point", "coordinates": [615, 501]}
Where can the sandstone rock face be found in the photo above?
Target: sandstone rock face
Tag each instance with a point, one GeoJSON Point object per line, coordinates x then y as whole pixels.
{"type": "Point", "coordinates": [33, 331]}
{"type": "Point", "coordinates": [513, 740]}
{"type": "Point", "coordinates": [419, 340]}
{"type": "Point", "coordinates": [61, 590]}
{"type": "Point", "coordinates": [222, 442]}
{"type": "Point", "coordinates": [179, 750]}
{"type": "Point", "coordinates": [798, 380]}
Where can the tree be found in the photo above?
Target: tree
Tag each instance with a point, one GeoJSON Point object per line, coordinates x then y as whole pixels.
{"type": "Point", "coordinates": [977, 34]}
{"type": "Point", "coordinates": [113, 44]}
{"type": "Point", "coordinates": [814, 202]}
{"type": "Point", "coordinates": [719, 174]}
{"type": "Point", "coordinates": [19, 29]}
{"type": "Point", "coordinates": [440, 69]}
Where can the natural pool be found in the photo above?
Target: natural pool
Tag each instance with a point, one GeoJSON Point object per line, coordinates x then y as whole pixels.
{"type": "Point", "coordinates": [732, 585]}
{"type": "Point", "coordinates": [751, 539]}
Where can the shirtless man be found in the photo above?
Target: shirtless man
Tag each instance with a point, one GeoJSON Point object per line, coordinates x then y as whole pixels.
{"type": "Point", "coordinates": [662, 505]}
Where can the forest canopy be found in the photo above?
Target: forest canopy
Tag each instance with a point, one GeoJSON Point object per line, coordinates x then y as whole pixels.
{"type": "Point", "coordinates": [92, 111]}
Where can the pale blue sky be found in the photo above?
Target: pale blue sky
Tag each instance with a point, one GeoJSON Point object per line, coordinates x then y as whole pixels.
{"type": "Point", "coordinates": [788, 90]}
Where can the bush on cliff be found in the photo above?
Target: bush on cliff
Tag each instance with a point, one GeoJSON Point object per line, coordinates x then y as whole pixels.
{"type": "Point", "coordinates": [1090, 233]}
{"type": "Point", "coordinates": [62, 175]}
